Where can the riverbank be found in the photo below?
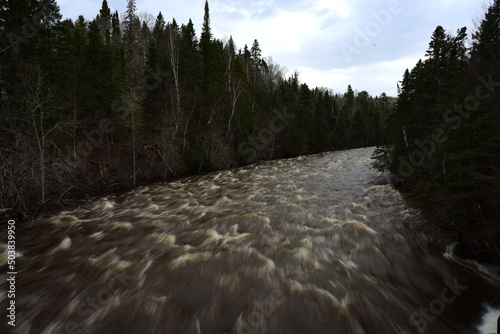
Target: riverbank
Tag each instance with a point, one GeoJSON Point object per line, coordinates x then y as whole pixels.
{"type": "Point", "coordinates": [467, 245]}
{"type": "Point", "coordinates": [478, 243]}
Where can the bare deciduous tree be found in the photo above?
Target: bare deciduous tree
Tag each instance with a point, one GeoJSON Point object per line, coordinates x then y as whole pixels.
{"type": "Point", "coordinates": [30, 161]}
{"type": "Point", "coordinates": [173, 52]}
{"type": "Point", "coordinates": [235, 94]}
{"type": "Point", "coordinates": [37, 99]}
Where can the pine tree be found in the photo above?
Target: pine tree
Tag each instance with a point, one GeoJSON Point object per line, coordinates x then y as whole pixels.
{"type": "Point", "coordinates": [206, 31]}
{"type": "Point", "coordinates": [159, 28]}
{"type": "Point", "coordinates": [100, 91]}
{"type": "Point", "coordinates": [134, 96]}
{"type": "Point", "coordinates": [116, 33]}
{"type": "Point", "coordinates": [437, 45]}
{"type": "Point", "coordinates": [486, 42]}
{"type": "Point", "coordinates": [206, 48]}
{"type": "Point", "coordinates": [190, 66]}
{"type": "Point", "coordinates": [105, 22]}
{"type": "Point", "coordinates": [256, 56]}
{"type": "Point", "coordinates": [131, 30]}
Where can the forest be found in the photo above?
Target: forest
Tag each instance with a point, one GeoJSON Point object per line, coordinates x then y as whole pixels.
{"type": "Point", "coordinates": [442, 140]}
{"type": "Point", "coordinates": [102, 105]}
{"type": "Point", "coordinates": [96, 106]}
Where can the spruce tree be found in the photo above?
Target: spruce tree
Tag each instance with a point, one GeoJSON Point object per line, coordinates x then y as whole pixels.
{"type": "Point", "coordinates": [206, 48]}
{"type": "Point", "coordinates": [256, 55]}
{"type": "Point", "coordinates": [105, 22]}
{"type": "Point", "coordinates": [134, 94]}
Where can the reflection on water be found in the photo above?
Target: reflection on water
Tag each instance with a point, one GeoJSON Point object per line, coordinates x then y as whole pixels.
{"type": "Point", "coordinates": [318, 244]}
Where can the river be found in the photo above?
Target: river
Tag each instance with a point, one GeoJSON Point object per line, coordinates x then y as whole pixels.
{"type": "Point", "coordinates": [316, 244]}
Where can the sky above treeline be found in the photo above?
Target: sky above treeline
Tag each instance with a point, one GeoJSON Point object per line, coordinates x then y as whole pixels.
{"type": "Point", "coordinates": [330, 43]}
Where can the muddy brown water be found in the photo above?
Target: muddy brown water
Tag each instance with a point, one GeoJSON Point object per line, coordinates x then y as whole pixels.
{"type": "Point", "coordinates": [317, 244]}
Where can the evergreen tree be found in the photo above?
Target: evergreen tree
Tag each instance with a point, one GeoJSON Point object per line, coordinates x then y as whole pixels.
{"type": "Point", "coordinates": [105, 22]}
{"type": "Point", "coordinates": [206, 48]}
{"type": "Point", "coordinates": [206, 30]}
{"type": "Point", "coordinates": [100, 91]}
{"type": "Point", "coordinates": [256, 56]}
{"type": "Point", "coordinates": [134, 95]}
{"type": "Point", "coordinates": [159, 28]}
{"type": "Point", "coordinates": [486, 42]}
{"type": "Point", "coordinates": [116, 33]}
{"type": "Point", "coordinates": [190, 67]}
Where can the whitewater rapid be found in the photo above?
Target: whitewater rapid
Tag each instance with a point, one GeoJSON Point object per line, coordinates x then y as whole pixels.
{"type": "Point", "coordinates": [316, 244]}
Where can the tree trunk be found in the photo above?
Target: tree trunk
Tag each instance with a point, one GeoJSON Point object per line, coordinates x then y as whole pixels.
{"type": "Point", "coordinates": [234, 99]}
{"type": "Point", "coordinates": [134, 154]}
{"type": "Point", "coordinates": [173, 50]}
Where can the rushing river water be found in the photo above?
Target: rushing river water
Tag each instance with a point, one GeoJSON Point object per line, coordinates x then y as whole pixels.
{"type": "Point", "coordinates": [318, 244]}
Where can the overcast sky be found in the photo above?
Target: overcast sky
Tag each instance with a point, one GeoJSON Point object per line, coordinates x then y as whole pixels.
{"type": "Point", "coordinates": [331, 43]}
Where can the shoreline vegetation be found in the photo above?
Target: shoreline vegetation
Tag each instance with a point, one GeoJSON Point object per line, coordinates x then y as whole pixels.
{"type": "Point", "coordinates": [98, 106]}
{"type": "Point", "coordinates": [442, 141]}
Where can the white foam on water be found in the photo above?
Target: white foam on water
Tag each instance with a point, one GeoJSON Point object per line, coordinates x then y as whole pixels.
{"type": "Point", "coordinates": [265, 265]}
{"type": "Point", "coordinates": [153, 207]}
{"type": "Point", "coordinates": [102, 205]}
{"type": "Point", "coordinates": [106, 257]}
{"type": "Point", "coordinates": [348, 264]}
{"type": "Point", "coordinates": [123, 225]}
{"type": "Point", "coordinates": [64, 244]}
{"type": "Point", "coordinates": [98, 235]}
{"type": "Point", "coordinates": [489, 321]}
{"type": "Point", "coordinates": [4, 256]}
{"type": "Point", "coordinates": [212, 237]}
{"type": "Point", "coordinates": [448, 253]}
{"type": "Point", "coordinates": [164, 239]}
{"type": "Point", "coordinates": [222, 201]}
{"type": "Point", "coordinates": [65, 219]}
{"type": "Point", "coordinates": [360, 227]}
{"type": "Point", "coordinates": [190, 258]}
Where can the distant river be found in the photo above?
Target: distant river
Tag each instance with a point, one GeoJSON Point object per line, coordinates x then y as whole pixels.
{"type": "Point", "coordinates": [316, 244]}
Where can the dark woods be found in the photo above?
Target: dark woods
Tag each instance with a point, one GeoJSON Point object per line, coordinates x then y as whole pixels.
{"type": "Point", "coordinates": [97, 105]}
{"type": "Point", "coordinates": [442, 142]}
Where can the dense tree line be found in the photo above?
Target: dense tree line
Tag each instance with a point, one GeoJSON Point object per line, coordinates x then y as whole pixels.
{"type": "Point", "coordinates": [92, 105]}
{"type": "Point", "coordinates": [443, 138]}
